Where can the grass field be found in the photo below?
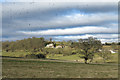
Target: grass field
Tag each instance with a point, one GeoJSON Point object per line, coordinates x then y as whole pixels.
{"type": "Point", "coordinates": [97, 59]}
{"type": "Point", "coordinates": [37, 68]}
{"type": "Point", "coordinates": [57, 66]}
{"type": "Point", "coordinates": [15, 54]}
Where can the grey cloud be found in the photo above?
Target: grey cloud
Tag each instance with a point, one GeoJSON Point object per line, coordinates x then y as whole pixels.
{"type": "Point", "coordinates": [37, 16]}
{"type": "Point", "coordinates": [68, 31]}
{"type": "Point", "coordinates": [22, 9]}
{"type": "Point", "coordinates": [47, 14]}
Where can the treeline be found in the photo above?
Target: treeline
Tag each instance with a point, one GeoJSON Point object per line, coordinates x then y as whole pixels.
{"type": "Point", "coordinates": [113, 43]}
{"type": "Point", "coordinates": [25, 44]}
{"type": "Point", "coordinates": [87, 47]}
{"type": "Point", "coordinates": [33, 44]}
{"type": "Point", "coordinates": [37, 44]}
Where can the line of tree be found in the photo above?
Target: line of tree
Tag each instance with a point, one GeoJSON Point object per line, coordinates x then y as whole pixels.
{"type": "Point", "coordinates": [25, 44]}
{"type": "Point", "coordinates": [112, 43]}
{"type": "Point", "coordinates": [87, 47]}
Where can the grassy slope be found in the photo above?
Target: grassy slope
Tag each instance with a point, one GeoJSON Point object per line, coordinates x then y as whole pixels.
{"type": "Point", "coordinates": [22, 68]}
{"type": "Point", "coordinates": [15, 54]}
{"type": "Point", "coordinates": [97, 59]}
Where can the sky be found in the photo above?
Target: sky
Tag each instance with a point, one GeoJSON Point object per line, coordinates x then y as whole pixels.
{"type": "Point", "coordinates": [60, 20]}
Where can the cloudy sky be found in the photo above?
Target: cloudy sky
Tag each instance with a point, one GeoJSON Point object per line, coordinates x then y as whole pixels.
{"type": "Point", "coordinates": [60, 20]}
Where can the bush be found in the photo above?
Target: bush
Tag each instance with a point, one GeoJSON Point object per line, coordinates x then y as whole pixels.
{"type": "Point", "coordinates": [34, 56]}
{"type": "Point", "coordinates": [52, 51]}
{"type": "Point", "coordinates": [105, 54]}
{"type": "Point", "coordinates": [41, 56]}
{"type": "Point", "coordinates": [67, 51]}
{"type": "Point", "coordinates": [31, 56]}
{"type": "Point", "coordinates": [74, 52]}
{"type": "Point", "coordinates": [58, 51]}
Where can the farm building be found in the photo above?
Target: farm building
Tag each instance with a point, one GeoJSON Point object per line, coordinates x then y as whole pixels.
{"type": "Point", "coordinates": [58, 47]}
{"type": "Point", "coordinates": [112, 51]}
{"type": "Point", "coordinates": [50, 46]}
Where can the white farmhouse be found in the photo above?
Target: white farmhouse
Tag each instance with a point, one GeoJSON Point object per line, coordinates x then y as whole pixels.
{"type": "Point", "coordinates": [59, 47]}
{"type": "Point", "coordinates": [112, 51]}
{"type": "Point", "coordinates": [50, 46]}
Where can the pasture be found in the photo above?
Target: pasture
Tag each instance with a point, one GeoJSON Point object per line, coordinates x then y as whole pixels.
{"type": "Point", "coordinates": [39, 68]}
{"type": "Point", "coordinates": [97, 58]}
{"type": "Point", "coordinates": [58, 66]}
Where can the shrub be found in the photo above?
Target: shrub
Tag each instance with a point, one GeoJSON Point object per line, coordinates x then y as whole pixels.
{"type": "Point", "coordinates": [31, 56]}
{"type": "Point", "coordinates": [74, 52]}
{"type": "Point", "coordinates": [105, 54]}
{"type": "Point", "coordinates": [41, 56]}
{"type": "Point", "coordinates": [58, 51]}
{"type": "Point", "coordinates": [67, 51]}
{"type": "Point", "coordinates": [35, 56]}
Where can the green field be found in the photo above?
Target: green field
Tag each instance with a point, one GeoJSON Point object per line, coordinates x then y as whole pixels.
{"type": "Point", "coordinates": [58, 66]}
{"type": "Point", "coordinates": [38, 68]}
{"type": "Point", "coordinates": [97, 59]}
